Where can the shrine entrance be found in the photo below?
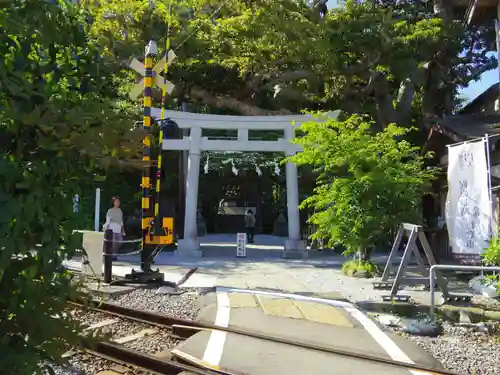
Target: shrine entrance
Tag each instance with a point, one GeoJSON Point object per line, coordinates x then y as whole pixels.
{"type": "Point", "coordinates": [234, 195]}
{"type": "Point", "coordinates": [196, 143]}
{"type": "Point", "coordinates": [227, 192]}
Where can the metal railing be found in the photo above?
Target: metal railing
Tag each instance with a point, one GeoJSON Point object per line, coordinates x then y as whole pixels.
{"type": "Point", "coordinates": [432, 309]}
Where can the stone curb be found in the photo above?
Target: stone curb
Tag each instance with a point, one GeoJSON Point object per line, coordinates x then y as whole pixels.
{"type": "Point", "coordinates": [475, 313]}
{"type": "Point", "coordinates": [451, 312]}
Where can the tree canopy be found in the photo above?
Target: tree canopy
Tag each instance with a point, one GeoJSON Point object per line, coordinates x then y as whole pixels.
{"type": "Point", "coordinates": [401, 61]}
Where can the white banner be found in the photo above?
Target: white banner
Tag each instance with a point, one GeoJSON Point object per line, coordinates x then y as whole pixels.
{"type": "Point", "coordinates": [468, 206]}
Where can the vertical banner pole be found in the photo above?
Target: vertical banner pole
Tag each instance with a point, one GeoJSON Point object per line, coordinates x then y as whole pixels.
{"type": "Point", "coordinates": [97, 209]}
{"type": "Point", "coordinates": [497, 39]}
{"type": "Point", "coordinates": [488, 159]}
{"type": "Point", "coordinates": [488, 171]}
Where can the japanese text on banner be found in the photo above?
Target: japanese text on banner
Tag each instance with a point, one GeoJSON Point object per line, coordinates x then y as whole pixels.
{"type": "Point", "coordinates": [468, 207]}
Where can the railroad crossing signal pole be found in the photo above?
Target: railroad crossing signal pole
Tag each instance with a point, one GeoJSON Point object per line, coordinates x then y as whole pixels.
{"type": "Point", "coordinates": [156, 230]}
{"type": "Point", "coordinates": [151, 51]}
{"type": "Point", "coordinates": [159, 225]}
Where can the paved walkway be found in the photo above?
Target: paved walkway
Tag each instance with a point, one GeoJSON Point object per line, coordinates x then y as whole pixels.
{"type": "Point", "coordinates": [263, 268]}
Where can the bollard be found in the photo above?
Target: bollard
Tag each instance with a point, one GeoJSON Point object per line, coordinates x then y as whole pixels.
{"type": "Point", "coordinates": [108, 255]}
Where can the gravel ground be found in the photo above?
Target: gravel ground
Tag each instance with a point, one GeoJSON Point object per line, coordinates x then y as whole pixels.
{"type": "Point", "coordinates": [182, 306]}
{"type": "Point", "coordinates": [153, 344]}
{"type": "Point", "coordinates": [86, 364]}
{"type": "Point", "coordinates": [464, 350]}
{"type": "Point", "coordinates": [89, 318]}
{"type": "Point", "coordinates": [123, 328]}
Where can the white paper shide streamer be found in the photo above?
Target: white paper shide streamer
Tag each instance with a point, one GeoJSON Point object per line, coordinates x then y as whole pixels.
{"type": "Point", "coordinates": [277, 170]}
{"type": "Point", "coordinates": [205, 168]}
{"type": "Point", "coordinates": [233, 168]}
{"type": "Point", "coordinates": [257, 170]}
{"type": "Point", "coordinates": [468, 207]}
{"type": "Point", "coordinates": [236, 171]}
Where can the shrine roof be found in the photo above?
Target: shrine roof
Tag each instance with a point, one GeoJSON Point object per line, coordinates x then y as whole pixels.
{"type": "Point", "coordinates": [474, 106]}
{"type": "Point", "coordinates": [459, 128]}
{"type": "Point", "coordinates": [469, 122]}
{"type": "Point", "coordinates": [470, 126]}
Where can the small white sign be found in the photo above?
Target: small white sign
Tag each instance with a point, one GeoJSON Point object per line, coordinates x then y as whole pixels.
{"type": "Point", "coordinates": [241, 245]}
{"type": "Point", "coordinates": [76, 200]}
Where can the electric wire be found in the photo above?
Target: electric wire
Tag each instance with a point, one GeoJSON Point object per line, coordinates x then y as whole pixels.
{"type": "Point", "coordinates": [197, 28]}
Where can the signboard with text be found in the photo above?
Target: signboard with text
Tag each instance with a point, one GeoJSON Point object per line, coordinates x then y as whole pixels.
{"type": "Point", "coordinates": [468, 205]}
{"type": "Point", "coordinates": [241, 245]}
{"type": "Point", "coordinates": [76, 200]}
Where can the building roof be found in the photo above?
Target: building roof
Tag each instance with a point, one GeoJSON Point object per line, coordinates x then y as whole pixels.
{"type": "Point", "coordinates": [463, 127]}
{"type": "Point", "coordinates": [469, 122]}
{"type": "Point", "coordinates": [490, 95]}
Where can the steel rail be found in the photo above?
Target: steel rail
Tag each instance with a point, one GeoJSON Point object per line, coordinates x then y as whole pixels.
{"type": "Point", "coordinates": [139, 316]}
{"type": "Point", "coordinates": [185, 328]}
{"type": "Point", "coordinates": [120, 354]}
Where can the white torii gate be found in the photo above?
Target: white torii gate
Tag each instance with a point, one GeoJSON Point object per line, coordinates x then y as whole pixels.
{"type": "Point", "coordinates": [196, 143]}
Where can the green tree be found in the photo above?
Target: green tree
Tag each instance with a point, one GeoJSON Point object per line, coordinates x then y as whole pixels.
{"type": "Point", "coordinates": [368, 182]}
{"type": "Point", "coordinates": [402, 62]}
{"type": "Point", "coordinates": [61, 123]}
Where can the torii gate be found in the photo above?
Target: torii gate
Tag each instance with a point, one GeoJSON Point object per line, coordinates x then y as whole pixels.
{"type": "Point", "coordinates": [196, 143]}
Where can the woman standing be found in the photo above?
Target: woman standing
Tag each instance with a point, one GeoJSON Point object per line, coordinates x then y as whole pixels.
{"type": "Point", "coordinates": [114, 222]}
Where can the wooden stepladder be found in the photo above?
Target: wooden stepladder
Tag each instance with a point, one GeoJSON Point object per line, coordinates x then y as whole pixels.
{"type": "Point", "coordinates": [402, 277]}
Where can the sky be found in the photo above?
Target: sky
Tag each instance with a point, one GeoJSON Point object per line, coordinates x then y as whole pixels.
{"type": "Point", "coordinates": [475, 88]}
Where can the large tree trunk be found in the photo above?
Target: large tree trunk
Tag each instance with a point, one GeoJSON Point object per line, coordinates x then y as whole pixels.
{"type": "Point", "coordinates": [437, 101]}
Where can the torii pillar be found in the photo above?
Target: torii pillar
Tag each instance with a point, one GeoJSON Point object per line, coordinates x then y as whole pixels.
{"type": "Point", "coordinates": [295, 247]}
{"type": "Point", "coordinates": [189, 246]}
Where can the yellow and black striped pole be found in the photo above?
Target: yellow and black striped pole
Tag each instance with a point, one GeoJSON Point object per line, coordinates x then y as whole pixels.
{"type": "Point", "coordinates": [151, 52]}
{"type": "Point", "coordinates": [162, 118]}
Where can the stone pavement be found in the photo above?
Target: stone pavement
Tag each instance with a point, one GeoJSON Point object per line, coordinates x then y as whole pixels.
{"type": "Point", "coordinates": [264, 268]}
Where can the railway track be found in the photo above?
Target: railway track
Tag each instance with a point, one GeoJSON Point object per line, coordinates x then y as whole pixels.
{"type": "Point", "coordinates": [129, 329]}
{"type": "Point", "coordinates": [182, 329]}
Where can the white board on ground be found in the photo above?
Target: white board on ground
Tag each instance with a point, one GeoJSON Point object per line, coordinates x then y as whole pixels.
{"type": "Point", "coordinates": [241, 245]}
{"type": "Point", "coordinates": [468, 207]}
